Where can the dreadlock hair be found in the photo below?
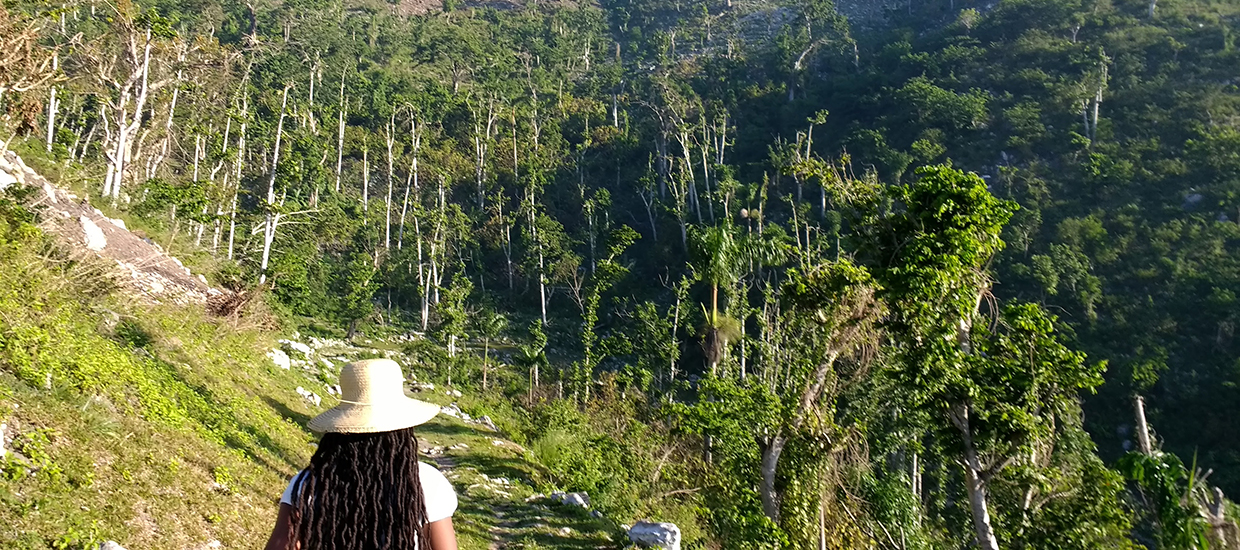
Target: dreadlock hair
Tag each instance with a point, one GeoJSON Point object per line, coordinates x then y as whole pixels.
{"type": "Point", "coordinates": [361, 492]}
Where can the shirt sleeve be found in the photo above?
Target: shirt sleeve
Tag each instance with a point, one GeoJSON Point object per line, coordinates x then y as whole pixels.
{"type": "Point", "coordinates": [437, 491]}
{"type": "Point", "coordinates": [287, 497]}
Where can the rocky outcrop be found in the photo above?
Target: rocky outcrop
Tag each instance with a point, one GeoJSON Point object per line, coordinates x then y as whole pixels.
{"type": "Point", "coordinates": [647, 534]}
{"type": "Point", "coordinates": [142, 265]}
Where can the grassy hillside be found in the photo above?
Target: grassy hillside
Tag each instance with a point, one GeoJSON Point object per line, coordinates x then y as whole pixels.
{"type": "Point", "coordinates": [154, 426]}
{"type": "Point", "coordinates": [159, 427]}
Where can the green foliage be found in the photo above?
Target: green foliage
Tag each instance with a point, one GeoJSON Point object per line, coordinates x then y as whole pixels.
{"type": "Point", "coordinates": [1170, 490]}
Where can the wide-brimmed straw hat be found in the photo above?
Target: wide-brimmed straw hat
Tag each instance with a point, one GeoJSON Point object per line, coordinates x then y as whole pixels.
{"type": "Point", "coordinates": [372, 399]}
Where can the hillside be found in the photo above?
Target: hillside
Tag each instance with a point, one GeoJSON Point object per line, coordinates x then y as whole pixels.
{"type": "Point", "coordinates": [785, 274]}
{"type": "Point", "coordinates": [127, 413]}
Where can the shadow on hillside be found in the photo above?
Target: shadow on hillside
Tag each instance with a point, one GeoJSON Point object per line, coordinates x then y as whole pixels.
{"type": "Point", "coordinates": [494, 466]}
{"type": "Point", "coordinates": [212, 414]}
{"type": "Point", "coordinates": [301, 419]}
{"type": "Point", "coordinates": [448, 429]}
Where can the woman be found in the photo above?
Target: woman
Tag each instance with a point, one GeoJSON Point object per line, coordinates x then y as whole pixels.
{"type": "Point", "coordinates": [364, 488]}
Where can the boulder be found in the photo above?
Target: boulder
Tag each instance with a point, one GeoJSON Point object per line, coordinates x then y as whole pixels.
{"type": "Point", "coordinates": [648, 534]}
{"type": "Point", "coordinates": [111, 545]}
{"type": "Point", "coordinates": [280, 358]}
{"type": "Point", "coordinates": [572, 499]}
{"type": "Point", "coordinates": [94, 236]}
{"type": "Point", "coordinates": [451, 410]}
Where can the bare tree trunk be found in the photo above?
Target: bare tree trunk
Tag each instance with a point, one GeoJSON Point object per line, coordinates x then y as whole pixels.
{"type": "Point", "coordinates": [1143, 429]}
{"type": "Point", "coordinates": [232, 212]}
{"type": "Point", "coordinates": [974, 483]}
{"type": "Point", "coordinates": [52, 106]}
{"type": "Point", "coordinates": [770, 462]}
{"type": "Point", "coordinates": [340, 133]}
{"type": "Point", "coordinates": [391, 175]}
{"type": "Point", "coordinates": [365, 183]}
{"type": "Point", "coordinates": [415, 145]}
{"type": "Point", "coordinates": [273, 217]}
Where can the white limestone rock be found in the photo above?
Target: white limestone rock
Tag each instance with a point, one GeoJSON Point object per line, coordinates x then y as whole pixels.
{"type": "Point", "coordinates": [648, 534]}
{"type": "Point", "coordinates": [280, 358]}
{"type": "Point", "coordinates": [6, 179]}
{"type": "Point", "coordinates": [572, 499]}
{"type": "Point", "coordinates": [94, 236]}
{"type": "Point", "coordinates": [298, 347]}
{"type": "Point", "coordinates": [309, 396]}
{"type": "Point", "coordinates": [111, 545]}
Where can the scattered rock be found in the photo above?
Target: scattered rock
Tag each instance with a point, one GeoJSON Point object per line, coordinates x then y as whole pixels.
{"type": "Point", "coordinates": [111, 545]}
{"type": "Point", "coordinates": [310, 396]}
{"type": "Point", "coordinates": [327, 363]}
{"type": "Point", "coordinates": [298, 347]}
{"type": "Point", "coordinates": [490, 425]}
{"type": "Point", "coordinates": [3, 428]}
{"type": "Point", "coordinates": [458, 447]}
{"type": "Point", "coordinates": [572, 499]}
{"type": "Point", "coordinates": [202, 278]}
{"type": "Point", "coordinates": [533, 497]}
{"type": "Point", "coordinates": [280, 358]}
{"type": "Point", "coordinates": [566, 531]}
{"type": "Point", "coordinates": [655, 535]}
{"type": "Point", "coordinates": [94, 236]}
{"type": "Point", "coordinates": [118, 223]}
{"type": "Point", "coordinates": [451, 410]}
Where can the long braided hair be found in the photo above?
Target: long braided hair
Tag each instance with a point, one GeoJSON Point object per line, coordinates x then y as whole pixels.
{"type": "Point", "coordinates": [361, 492]}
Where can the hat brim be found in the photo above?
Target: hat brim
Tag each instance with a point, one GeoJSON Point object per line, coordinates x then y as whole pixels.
{"type": "Point", "coordinates": [353, 418]}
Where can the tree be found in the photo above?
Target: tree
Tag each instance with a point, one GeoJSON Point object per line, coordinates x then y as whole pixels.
{"type": "Point", "coordinates": [490, 325]}
{"type": "Point", "coordinates": [357, 286]}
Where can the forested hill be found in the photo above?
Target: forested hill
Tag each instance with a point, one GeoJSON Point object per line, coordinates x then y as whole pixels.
{"type": "Point", "coordinates": [868, 274]}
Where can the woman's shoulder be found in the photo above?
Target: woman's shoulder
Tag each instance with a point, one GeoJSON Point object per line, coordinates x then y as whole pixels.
{"type": "Point", "coordinates": [432, 478]}
{"type": "Point", "coordinates": [437, 492]}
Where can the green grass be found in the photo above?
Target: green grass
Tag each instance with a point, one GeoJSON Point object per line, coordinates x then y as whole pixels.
{"type": "Point", "coordinates": [156, 427]}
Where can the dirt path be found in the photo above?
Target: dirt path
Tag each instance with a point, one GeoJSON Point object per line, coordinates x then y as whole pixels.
{"type": "Point", "coordinates": [500, 504]}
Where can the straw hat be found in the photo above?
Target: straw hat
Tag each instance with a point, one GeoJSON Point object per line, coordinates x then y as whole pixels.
{"type": "Point", "coordinates": [372, 399]}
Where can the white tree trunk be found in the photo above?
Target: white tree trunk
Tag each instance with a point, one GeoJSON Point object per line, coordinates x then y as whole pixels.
{"type": "Point", "coordinates": [391, 175]}
{"type": "Point", "coordinates": [340, 134]}
{"type": "Point", "coordinates": [974, 482]}
{"type": "Point", "coordinates": [273, 217]}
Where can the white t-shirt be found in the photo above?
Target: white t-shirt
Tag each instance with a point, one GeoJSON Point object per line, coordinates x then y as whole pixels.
{"type": "Point", "coordinates": [436, 491]}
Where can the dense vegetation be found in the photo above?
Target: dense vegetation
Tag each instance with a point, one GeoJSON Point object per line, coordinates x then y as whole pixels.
{"type": "Point", "coordinates": [789, 278]}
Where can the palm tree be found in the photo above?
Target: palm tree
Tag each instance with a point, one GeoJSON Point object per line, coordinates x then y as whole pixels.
{"type": "Point", "coordinates": [721, 257]}
{"type": "Point", "coordinates": [490, 324]}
